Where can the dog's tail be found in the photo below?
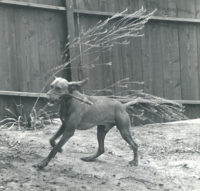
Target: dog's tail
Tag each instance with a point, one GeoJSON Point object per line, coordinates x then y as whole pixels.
{"type": "Point", "coordinates": [134, 102]}
{"type": "Point", "coordinates": [131, 106]}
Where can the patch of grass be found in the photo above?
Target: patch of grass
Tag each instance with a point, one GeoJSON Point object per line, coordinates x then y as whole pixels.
{"type": "Point", "coordinates": [17, 118]}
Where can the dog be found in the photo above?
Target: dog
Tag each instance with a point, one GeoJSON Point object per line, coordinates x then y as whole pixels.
{"type": "Point", "coordinates": [80, 111]}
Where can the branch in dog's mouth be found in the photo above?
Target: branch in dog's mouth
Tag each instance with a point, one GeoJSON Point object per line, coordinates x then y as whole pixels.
{"type": "Point", "coordinates": [84, 100]}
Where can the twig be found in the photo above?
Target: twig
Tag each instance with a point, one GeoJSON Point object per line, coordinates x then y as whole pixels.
{"type": "Point", "coordinates": [145, 182]}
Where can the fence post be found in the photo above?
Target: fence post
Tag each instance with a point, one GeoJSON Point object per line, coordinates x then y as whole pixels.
{"type": "Point", "coordinates": [71, 36]}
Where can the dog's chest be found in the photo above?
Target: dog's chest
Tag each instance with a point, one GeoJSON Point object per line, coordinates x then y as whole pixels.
{"type": "Point", "coordinates": [66, 110]}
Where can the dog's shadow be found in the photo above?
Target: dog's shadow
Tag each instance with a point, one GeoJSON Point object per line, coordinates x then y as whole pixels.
{"type": "Point", "coordinates": [97, 160]}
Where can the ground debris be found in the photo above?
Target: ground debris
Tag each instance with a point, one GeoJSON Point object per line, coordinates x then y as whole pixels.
{"type": "Point", "coordinates": [161, 167]}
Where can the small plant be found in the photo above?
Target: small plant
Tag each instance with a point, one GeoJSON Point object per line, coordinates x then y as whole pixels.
{"type": "Point", "coordinates": [17, 119]}
{"type": "Point", "coordinates": [14, 119]}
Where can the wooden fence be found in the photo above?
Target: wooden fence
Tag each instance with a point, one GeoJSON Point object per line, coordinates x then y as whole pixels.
{"type": "Point", "coordinates": [32, 37]}
{"type": "Point", "coordinates": [33, 34]}
{"type": "Point", "coordinates": [166, 58]}
{"type": "Point", "coordinates": [31, 43]}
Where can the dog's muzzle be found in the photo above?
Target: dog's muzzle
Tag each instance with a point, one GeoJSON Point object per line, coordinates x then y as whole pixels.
{"type": "Point", "coordinates": [52, 98]}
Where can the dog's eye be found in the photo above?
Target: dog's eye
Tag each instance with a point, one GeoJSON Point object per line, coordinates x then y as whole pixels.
{"type": "Point", "coordinates": [57, 88]}
{"type": "Point", "coordinates": [51, 86]}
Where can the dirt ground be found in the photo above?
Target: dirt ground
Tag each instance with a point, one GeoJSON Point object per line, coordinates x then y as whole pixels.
{"type": "Point", "coordinates": [169, 160]}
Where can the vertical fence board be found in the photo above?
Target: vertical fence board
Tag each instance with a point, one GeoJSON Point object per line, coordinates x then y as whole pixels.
{"type": "Point", "coordinates": [71, 34]}
{"type": "Point", "coordinates": [157, 64]}
{"type": "Point", "coordinates": [198, 54]}
{"type": "Point", "coordinates": [3, 49]}
{"type": "Point", "coordinates": [12, 79]}
{"type": "Point", "coordinates": [33, 62]}
{"type": "Point", "coordinates": [172, 8]}
{"type": "Point", "coordinates": [147, 57]}
{"type": "Point", "coordinates": [90, 60]}
{"type": "Point", "coordinates": [134, 55]}
{"type": "Point", "coordinates": [87, 4]}
{"type": "Point", "coordinates": [106, 69]}
{"type": "Point", "coordinates": [136, 63]}
{"type": "Point", "coordinates": [152, 44]}
{"type": "Point", "coordinates": [152, 63]}
{"type": "Point", "coordinates": [197, 6]}
{"type": "Point", "coordinates": [188, 52]}
{"type": "Point", "coordinates": [198, 39]}
{"type": "Point", "coordinates": [119, 64]}
{"type": "Point", "coordinates": [85, 56]}
{"type": "Point", "coordinates": [170, 51]}
{"type": "Point", "coordinates": [171, 62]}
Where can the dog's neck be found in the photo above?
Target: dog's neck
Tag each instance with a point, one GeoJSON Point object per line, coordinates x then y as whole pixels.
{"type": "Point", "coordinates": [66, 99]}
{"type": "Point", "coordinates": [65, 106]}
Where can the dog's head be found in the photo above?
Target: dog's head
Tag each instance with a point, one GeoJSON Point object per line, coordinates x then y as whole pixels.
{"type": "Point", "coordinates": [60, 87]}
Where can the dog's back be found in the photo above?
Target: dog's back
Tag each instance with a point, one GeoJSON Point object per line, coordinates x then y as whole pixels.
{"type": "Point", "coordinates": [103, 111]}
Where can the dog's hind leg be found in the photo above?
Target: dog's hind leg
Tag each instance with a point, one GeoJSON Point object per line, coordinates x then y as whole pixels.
{"type": "Point", "coordinates": [102, 130]}
{"type": "Point", "coordinates": [123, 125]}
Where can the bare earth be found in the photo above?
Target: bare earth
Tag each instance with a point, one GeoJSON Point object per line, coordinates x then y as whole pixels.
{"type": "Point", "coordinates": [169, 160]}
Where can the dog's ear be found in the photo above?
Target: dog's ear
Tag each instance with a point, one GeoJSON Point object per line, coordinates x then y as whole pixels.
{"type": "Point", "coordinates": [54, 77]}
{"type": "Point", "coordinates": [76, 85]}
{"type": "Point", "coordinates": [83, 82]}
{"type": "Point", "coordinates": [79, 83]}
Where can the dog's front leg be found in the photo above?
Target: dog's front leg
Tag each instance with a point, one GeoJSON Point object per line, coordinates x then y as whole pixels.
{"type": "Point", "coordinates": [57, 135]}
{"type": "Point", "coordinates": [66, 136]}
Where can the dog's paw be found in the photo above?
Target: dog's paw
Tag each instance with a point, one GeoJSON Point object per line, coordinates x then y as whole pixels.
{"type": "Point", "coordinates": [38, 166]}
{"type": "Point", "coordinates": [133, 163]}
{"type": "Point", "coordinates": [88, 159]}
{"type": "Point", "coordinates": [41, 165]}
